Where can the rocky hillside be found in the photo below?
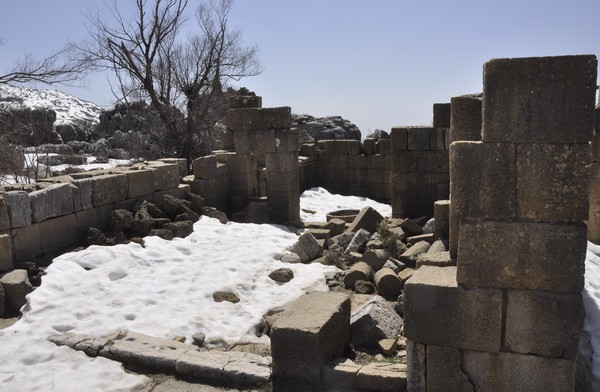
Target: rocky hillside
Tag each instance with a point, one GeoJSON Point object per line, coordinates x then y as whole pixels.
{"type": "Point", "coordinates": [311, 128]}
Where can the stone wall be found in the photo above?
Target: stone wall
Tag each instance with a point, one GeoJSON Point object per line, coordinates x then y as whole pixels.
{"type": "Point", "coordinates": [594, 213]}
{"type": "Point", "coordinates": [55, 213]}
{"type": "Point", "coordinates": [508, 317]}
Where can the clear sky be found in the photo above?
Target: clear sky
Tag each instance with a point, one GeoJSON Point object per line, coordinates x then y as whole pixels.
{"type": "Point", "coordinates": [378, 63]}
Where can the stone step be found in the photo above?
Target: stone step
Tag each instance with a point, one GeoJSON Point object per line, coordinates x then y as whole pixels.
{"type": "Point", "coordinates": [135, 350]}
{"type": "Point", "coordinates": [343, 374]}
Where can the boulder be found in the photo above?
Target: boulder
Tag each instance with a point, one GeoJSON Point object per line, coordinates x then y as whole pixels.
{"type": "Point", "coordinates": [171, 206]}
{"type": "Point", "coordinates": [142, 222]}
{"type": "Point", "coordinates": [364, 287]}
{"type": "Point", "coordinates": [374, 320]}
{"type": "Point", "coordinates": [120, 220]}
{"type": "Point", "coordinates": [212, 212]}
{"type": "Point", "coordinates": [16, 286]}
{"type": "Point", "coordinates": [165, 234]}
{"type": "Point", "coordinates": [282, 275]}
{"type": "Point", "coordinates": [95, 236]}
{"type": "Point", "coordinates": [220, 296]}
{"type": "Point", "coordinates": [180, 229]}
{"type": "Point", "coordinates": [307, 248]}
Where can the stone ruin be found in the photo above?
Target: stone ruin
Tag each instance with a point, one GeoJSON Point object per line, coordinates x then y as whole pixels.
{"type": "Point", "coordinates": [503, 312]}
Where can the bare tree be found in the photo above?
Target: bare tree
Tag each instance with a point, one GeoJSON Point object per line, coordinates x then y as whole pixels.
{"type": "Point", "coordinates": [145, 54]}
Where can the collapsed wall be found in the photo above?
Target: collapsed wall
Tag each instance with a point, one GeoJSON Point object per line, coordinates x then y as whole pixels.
{"type": "Point", "coordinates": [508, 317]}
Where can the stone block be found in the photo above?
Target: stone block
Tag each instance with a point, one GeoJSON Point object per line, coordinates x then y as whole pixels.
{"type": "Point", "coordinates": [16, 286]}
{"type": "Point", "coordinates": [436, 259]}
{"type": "Point", "coordinates": [522, 255]}
{"type": "Point", "coordinates": [286, 140]}
{"type": "Point", "coordinates": [180, 162]}
{"type": "Point", "coordinates": [437, 139]}
{"type": "Point", "coordinates": [441, 214]}
{"type": "Point", "coordinates": [282, 162]}
{"type": "Point", "coordinates": [409, 257]}
{"type": "Point", "coordinates": [597, 117]}
{"type": "Point", "coordinates": [58, 233]}
{"type": "Point", "coordinates": [54, 200]}
{"type": "Point", "coordinates": [385, 146]}
{"type": "Point", "coordinates": [369, 146]}
{"type": "Point", "coordinates": [439, 311]}
{"type": "Point", "coordinates": [6, 254]}
{"type": "Point", "coordinates": [307, 248]}
{"type": "Point", "coordinates": [372, 321]}
{"type": "Point", "coordinates": [253, 119]}
{"type": "Point", "coordinates": [368, 218]}
{"type": "Point", "coordinates": [441, 115]}
{"type": "Point", "coordinates": [85, 192]}
{"type": "Point", "coordinates": [416, 359]}
{"type": "Point", "coordinates": [483, 180]}
{"type": "Point", "coordinates": [418, 139]}
{"type": "Point", "coordinates": [428, 237]}
{"type": "Point", "coordinates": [4, 217]}
{"type": "Point", "coordinates": [543, 323]}
{"type": "Point", "coordinates": [339, 147]}
{"type": "Point", "coordinates": [26, 242]}
{"type": "Point", "coordinates": [539, 99]}
{"type": "Point", "coordinates": [553, 182]}
{"type": "Point", "coordinates": [399, 139]}
{"type": "Point", "coordinates": [244, 101]}
{"type": "Point", "coordinates": [205, 167]}
{"type": "Point", "coordinates": [166, 175]}
{"type": "Point", "coordinates": [108, 188]}
{"type": "Point", "coordinates": [381, 377]}
{"type": "Point", "coordinates": [308, 150]}
{"type": "Point", "coordinates": [257, 141]}
{"type": "Point", "coordinates": [444, 371]}
{"type": "Point", "coordinates": [311, 331]}
{"type": "Point", "coordinates": [516, 372]}
{"type": "Point", "coordinates": [465, 121]}
{"type": "Point", "coordinates": [95, 217]}
{"type": "Point", "coordinates": [19, 208]}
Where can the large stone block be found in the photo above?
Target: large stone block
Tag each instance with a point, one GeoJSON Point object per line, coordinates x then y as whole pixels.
{"type": "Point", "coordinates": [522, 255]}
{"type": "Point", "coordinates": [108, 188]}
{"type": "Point", "coordinates": [51, 201]}
{"type": "Point", "coordinates": [444, 371]}
{"type": "Point", "coordinates": [140, 182]}
{"type": "Point", "coordinates": [252, 119]}
{"type": "Point", "coordinates": [339, 147]}
{"type": "Point", "coordinates": [26, 242]}
{"type": "Point", "coordinates": [256, 141]}
{"type": "Point", "coordinates": [441, 115]}
{"type": "Point", "coordinates": [286, 140]}
{"type": "Point", "coordinates": [418, 138]}
{"type": "Point", "coordinates": [19, 208]}
{"type": "Point", "coordinates": [399, 139]}
{"type": "Point", "coordinates": [4, 217]}
{"type": "Point", "coordinates": [181, 163]}
{"type": "Point", "coordinates": [368, 218]}
{"type": "Point", "coordinates": [416, 359]}
{"type": "Point", "coordinates": [166, 175]}
{"type": "Point", "coordinates": [16, 286]}
{"type": "Point", "coordinates": [517, 372]}
{"type": "Point", "coordinates": [465, 121]}
{"type": "Point", "coordinates": [437, 139]}
{"type": "Point", "coordinates": [553, 182]}
{"type": "Point", "coordinates": [282, 162]}
{"type": "Point", "coordinates": [59, 233]}
{"type": "Point", "coordinates": [543, 323]}
{"type": "Point", "coordinates": [539, 99]}
{"type": "Point", "coordinates": [312, 331]}
{"type": "Point", "coordinates": [439, 311]}
{"type": "Point", "coordinates": [94, 217]}
{"type": "Point", "coordinates": [483, 180]}
{"type": "Point", "coordinates": [85, 192]}
{"type": "Point", "coordinates": [6, 254]}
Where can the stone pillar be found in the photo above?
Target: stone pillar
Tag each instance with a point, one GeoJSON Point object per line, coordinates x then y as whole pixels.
{"type": "Point", "coordinates": [238, 102]}
{"type": "Point", "coordinates": [521, 196]}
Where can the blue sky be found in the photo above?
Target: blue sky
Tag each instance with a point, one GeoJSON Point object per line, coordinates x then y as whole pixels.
{"type": "Point", "coordinates": [378, 63]}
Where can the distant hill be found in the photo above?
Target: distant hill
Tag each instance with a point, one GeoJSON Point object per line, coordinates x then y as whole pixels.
{"type": "Point", "coordinates": [69, 109]}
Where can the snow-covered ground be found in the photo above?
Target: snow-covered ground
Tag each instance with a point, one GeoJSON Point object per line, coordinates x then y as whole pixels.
{"type": "Point", "coordinates": [317, 202]}
{"type": "Point", "coordinates": [67, 107]}
{"type": "Point", "coordinates": [590, 342]}
{"type": "Point", "coordinates": [163, 289]}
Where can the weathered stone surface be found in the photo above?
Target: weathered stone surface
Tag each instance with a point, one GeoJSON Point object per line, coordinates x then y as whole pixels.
{"type": "Point", "coordinates": [337, 226]}
{"type": "Point", "coordinates": [359, 271]}
{"type": "Point", "coordinates": [410, 227]}
{"type": "Point", "coordinates": [54, 200]}
{"type": "Point", "coordinates": [522, 255]}
{"type": "Point", "coordinates": [27, 242]}
{"type": "Point", "coordinates": [444, 370]}
{"type": "Point", "coordinates": [559, 315]}
{"type": "Point", "coordinates": [257, 212]}
{"type": "Point", "coordinates": [2, 302]}
{"type": "Point", "coordinates": [166, 175]}
{"type": "Point", "coordinates": [438, 259]}
{"type": "Point", "coordinates": [16, 286]}
{"type": "Point", "coordinates": [85, 192]}
{"type": "Point", "coordinates": [316, 326]}
{"type": "Point", "coordinates": [18, 207]}
{"type": "Point", "coordinates": [205, 167]}
{"type": "Point", "coordinates": [372, 321]}
{"type": "Point", "coordinates": [256, 119]}
{"type": "Point", "coordinates": [307, 248]}
{"type": "Point", "coordinates": [418, 138]}
{"type": "Point", "coordinates": [516, 372]}
{"type": "Point", "coordinates": [108, 188]}
{"type": "Point", "coordinates": [539, 99]}
{"type": "Point", "coordinates": [381, 377]}
{"type": "Point", "coordinates": [441, 115]}
{"type": "Point", "coordinates": [438, 311]}
{"type": "Point", "coordinates": [416, 355]}
{"type": "Point", "coordinates": [359, 239]}
{"type": "Point", "coordinates": [410, 256]}
{"type": "Point", "coordinates": [376, 258]}
{"type": "Point", "coordinates": [95, 217]}
{"type": "Point", "coordinates": [367, 219]}
{"type": "Point", "coordinates": [140, 182]}
{"type": "Point", "coordinates": [465, 121]}
{"type": "Point", "coordinates": [180, 229]}
{"type": "Point", "coordinates": [245, 101]}
{"type": "Point", "coordinates": [388, 284]}
{"type": "Point", "coordinates": [282, 275]}
{"type": "Point", "coordinates": [428, 237]}
{"type": "Point", "coordinates": [441, 214]}
{"type": "Point", "coordinates": [438, 246]}
{"type": "Point", "coordinates": [6, 253]}
{"type": "Point", "coordinates": [342, 240]}
{"type": "Point", "coordinates": [58, 233]}
{"type": "Point", "coordinates": [339, 147]}
{"type": "Point", "coordinates": [553, 182]}
{"type": "Point", "coordinates": [4, 218]}
{"type": "Point", "coordinates": [476, 166]}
